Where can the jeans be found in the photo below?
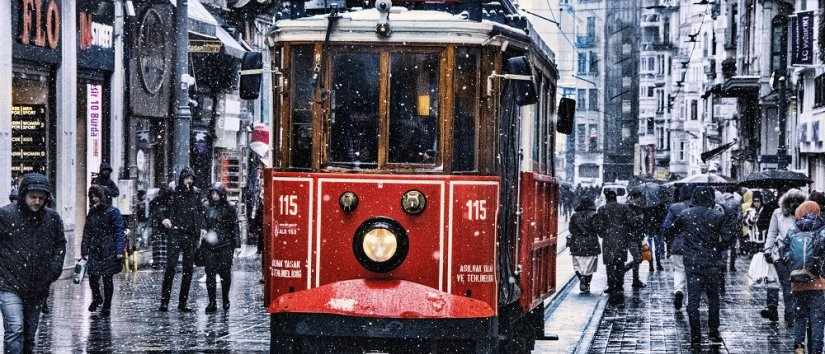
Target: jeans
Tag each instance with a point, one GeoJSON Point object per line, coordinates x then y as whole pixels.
{"type": "Point", "coordinates": [773, 294]}
{"type": "Point", "coordinates": [679, 281]}
{"type": "Point", "coordinates": [811, 314]}
{"type": "Point", "coordinates": [108, 289]}
{"type": "Point", "coordinates": [20, 320]}
{"type": "Point", "coordinates": [703, 279]}
{"type": "Point", "coordinates": [175, 247]}
{"type": "Point", "coordinates": [657, 246]}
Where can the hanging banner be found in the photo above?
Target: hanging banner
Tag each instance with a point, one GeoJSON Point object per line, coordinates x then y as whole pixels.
{"type": "Point", "coordinates": [802, 39]}
{"type": "Point", "coordinates": [94, 131]}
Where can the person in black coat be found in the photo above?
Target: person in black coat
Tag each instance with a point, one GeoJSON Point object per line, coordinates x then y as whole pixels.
{"type": "Point", "coordinates": [32, 251]}
{"type": "Point", "coordinates": [104, 179]}
{"type": "Point", "coordinates": [222, 238]}
{"type": "Point", "coordinates": [675, 244]}
{"type": "Point", "coordinates": [615, 223]}
{"type": "Point", "coordinates": [184, 224]}
{"type": "Point", "coordinates": [706, 238]}
{"type": "Point", "coordinates": [584, 242]}
{"type": "Point", "coordinates": [104, 242]}
{"type": "Point", "coordinates": [158, 207]}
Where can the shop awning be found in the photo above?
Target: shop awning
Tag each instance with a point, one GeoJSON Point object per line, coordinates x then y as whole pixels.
{"type": "Point", "coordinates": [201, 22]}
{"type": "Point", "coordinates": [206, 34]}
{"type": "Point", "coordinates": [231, 46]}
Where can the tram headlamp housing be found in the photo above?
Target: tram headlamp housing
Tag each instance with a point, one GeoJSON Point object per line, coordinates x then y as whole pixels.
{"type": "Point", "coordinates": [413, 202]}
{"type": "Point", "coordinates": [348, 201]}
{"type": "Point", "coordinates": [380, 245]}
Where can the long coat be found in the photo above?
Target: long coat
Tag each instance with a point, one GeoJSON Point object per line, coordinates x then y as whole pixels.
{"type": "Point", "coordinates": [103, 240]}
{"type": "Point", "coordinates": [186, 211]}
{"type": "Point", "coordinates": [615, 225]}
{"type": "Point", "coordinates": [222, 220]}
{"type": "Point", "coordinates": [32, 245]}
{"type": "Point", "coordinates": [584, 234]}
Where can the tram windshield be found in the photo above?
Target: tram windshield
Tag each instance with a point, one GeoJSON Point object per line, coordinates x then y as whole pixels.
{"type": "Point", "coordinates": [354, 109]}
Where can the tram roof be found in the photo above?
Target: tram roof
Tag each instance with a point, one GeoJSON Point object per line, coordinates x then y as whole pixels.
{"type": "Point", "coordinates": [408, 27]}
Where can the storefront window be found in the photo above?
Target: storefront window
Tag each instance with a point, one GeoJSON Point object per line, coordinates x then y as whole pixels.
{"type": "Point", "coordinates": [465, 109]}
{"type": "Point", "coordinates": [414, 108]}
{"type": "Point", "coordinates": [301, 137]}
{"type": "Point", "coordinates": [354, 110]}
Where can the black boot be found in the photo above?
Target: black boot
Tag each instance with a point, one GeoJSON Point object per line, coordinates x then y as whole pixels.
{"type": "Point", "coordinates": [770, 313]}
{"type": "Point", "coordinates": [678, 298]}
{"type": "Point", "coordinates": [95, 304]}
{"type": "Point", "coordinates": [212, 307]}
{"type": "Point", "coordinates": [226, 305]}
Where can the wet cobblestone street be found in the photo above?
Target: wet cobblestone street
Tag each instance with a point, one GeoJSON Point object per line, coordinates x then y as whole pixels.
{"type": "Point", "coordinates": [648, 322]}
{"type": "Point", "coordinates": [136, 325]}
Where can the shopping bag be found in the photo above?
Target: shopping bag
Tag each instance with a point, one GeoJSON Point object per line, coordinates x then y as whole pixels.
{"type": "Point", "coordinates": [646, 254]}
{"type": "Point", "coordinates": [79, 271]}
{"type": "Point", "coordinates": [762, 274]}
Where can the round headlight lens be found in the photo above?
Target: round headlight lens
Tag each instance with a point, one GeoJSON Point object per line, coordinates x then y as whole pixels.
{"type": "Point", "coordinates": [380, 245]}
{"type": "Point", "coordinates": [413, 202]}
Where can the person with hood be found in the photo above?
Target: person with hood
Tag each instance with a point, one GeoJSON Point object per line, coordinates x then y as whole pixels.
{"type": "Point", "coordinates": [32, 251]}
{"type": "Point", "coordinates": [584, 242]}
{"type": "Point", "coordinates": [222, 238]}
{"type": "Point", "coordinates": [103, 245]}
{"type": "Point", "coordinates": [184, 224]}
{"type": "Point", "coordinates": [675, 244]}
{"type": "Point", "coordinates": [158, 207]}
{"type": "Point", "coordinates": [614, 224]}
{"type": "Point", "coordinates": [703, 229]}
{"type": "Point", "coordinates": [809, 297]}
{"type": "Point", "coordinates": [104, 179]}
{"type": "Point", "coordinates": [782, 221]}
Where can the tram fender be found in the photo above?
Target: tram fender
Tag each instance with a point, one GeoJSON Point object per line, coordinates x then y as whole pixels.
{"type": "Point", "coordinates": [381, 298]}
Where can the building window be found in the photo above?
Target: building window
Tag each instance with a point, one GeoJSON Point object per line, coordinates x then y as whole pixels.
{"type": "Point", "coordinates": [593, 138]}
{"type": "Point", "coordinates": [660, 138]}
{"type": "Point", "coordinates": [581, 101]}
{"type": "Point", "coordinates": [594, 99]}
{"type": "Point", "coordinates": [594, 64]}
{"type": "Point", "coordinates": [582, 68]}
{"type": "Point", "coordinates": [819, 91]}
{"type": "Point", "coordinates": [681, 151]}
{"type": "Point", "coordinates": [651, 64]}
{"type": "Point", "coordinates": [779, 43]}
{"type": "Point", "coordinates": [666, 29]}
{"type": "Point", "coordinates": [581, 135]}
{"type": "Point", "coordinates": [706, 45]}
{"type": "Point", "coordinates": [591, 27]}
{"type": "Point", "coordinates": [650, 126]}
{"type": "Point", "coordinates": [650, 90]}
{"type": "Point", "coordinates": [694, 110]}
{"type": "Point", "coordinates": [589, 171]}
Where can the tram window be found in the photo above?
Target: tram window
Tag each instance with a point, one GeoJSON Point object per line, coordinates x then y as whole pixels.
{"type": "Point", "coordinates": [414, 108]}
{"type": "Point", "coordinates": [301, 137]}
{"type": "Point", "coordinates": [464, 121]}
{"type": "Point", "coordinates": [354, 113]}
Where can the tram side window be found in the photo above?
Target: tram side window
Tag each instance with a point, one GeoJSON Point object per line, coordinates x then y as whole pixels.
{"type": "Point", "coordinates": [301, 136]}
{"type": "Point", "coordinates": [414, 108]}
{"type": "Point", "coordinates": [466, 109]}
{"type": "Point", "coordinates": [354, 113]}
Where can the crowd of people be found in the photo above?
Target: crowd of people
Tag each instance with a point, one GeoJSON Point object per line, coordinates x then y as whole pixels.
{"type": "Point", "coordinates": [697, 229]}
{"type": "Point", "coordinates": [200, 228]}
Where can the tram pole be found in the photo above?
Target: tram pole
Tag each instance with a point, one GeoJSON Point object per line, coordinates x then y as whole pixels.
{"type": "Point", "coordinates": [183, 115]}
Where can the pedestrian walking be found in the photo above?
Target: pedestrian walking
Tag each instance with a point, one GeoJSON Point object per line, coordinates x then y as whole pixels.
{"type": "Point", "coordinates": [730, 204]}
{"type": "Point", "coordinates": [675, 242]}
{"type": "Point", "coordinates": [184, 223]}
{"type": "Point", "coordinates": [614, 223]}
{"type": "Point", "coordinates": [104, 179]}
{"type": "Point", "coordinates": [809, 294]}
{"type": "Point", "coordinates": [782, 221]}
{"type": "Point", "coordinates": [584, 242]}
{"type": "Point", "coordinates": [103, 246]}
{"type": "Point", "coordinates": [755, 225]}
{"type": "Point", "coordinates": [32, 251]}
{"type": "Point", "coordinates": [637, 235]}
{"type": "Point", "coordinates": [706, 235]}
{"type": "Point", "coordinates": [222, 238]}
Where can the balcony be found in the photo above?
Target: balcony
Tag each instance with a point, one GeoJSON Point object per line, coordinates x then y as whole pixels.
{"type": "Point", "coordinates": [586, 41]}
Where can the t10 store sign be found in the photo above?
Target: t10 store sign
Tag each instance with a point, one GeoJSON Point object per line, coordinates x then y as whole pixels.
{"type": "Point", "coordinates": [39, 23]}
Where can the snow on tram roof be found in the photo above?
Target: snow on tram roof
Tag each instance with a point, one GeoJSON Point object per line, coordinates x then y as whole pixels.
{"type": "Point", "coordinates": [415, 26]}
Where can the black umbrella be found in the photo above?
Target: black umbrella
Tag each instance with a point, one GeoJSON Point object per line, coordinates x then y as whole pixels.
{"type": "Point", "coordinates": [704, 178]}
{"type": "Point", "coordinates": [651, 194]}
{"type": "Point", "coordinates": [775, 179]}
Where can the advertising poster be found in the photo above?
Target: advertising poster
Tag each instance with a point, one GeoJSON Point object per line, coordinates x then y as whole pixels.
{"type": "Point", "coordinates": [28, 142]}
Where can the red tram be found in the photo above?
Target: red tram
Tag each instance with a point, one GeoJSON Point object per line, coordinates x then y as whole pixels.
{"type": "Point", "coordinates": [412, 203]}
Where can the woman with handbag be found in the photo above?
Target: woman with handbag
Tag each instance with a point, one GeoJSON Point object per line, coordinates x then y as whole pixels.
{"type": "Point", "coordinates": [219, 244]}
{"type": "Point", "coordinates": [102, 247]}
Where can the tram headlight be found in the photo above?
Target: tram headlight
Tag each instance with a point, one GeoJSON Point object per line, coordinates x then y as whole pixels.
{"type": "Point", "coordinates": [413, 202]}
{"type": "Point", "coordinates": [380, 245]}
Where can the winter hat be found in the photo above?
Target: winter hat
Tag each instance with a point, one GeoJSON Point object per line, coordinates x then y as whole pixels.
{"type": "Point", "coordinates": [33, 182]}
{"type": "Point", "coordinates": [806, 208]}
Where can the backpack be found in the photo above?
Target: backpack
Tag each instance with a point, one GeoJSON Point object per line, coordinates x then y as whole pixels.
{"type": "Point", "coordinates": [804, 264]}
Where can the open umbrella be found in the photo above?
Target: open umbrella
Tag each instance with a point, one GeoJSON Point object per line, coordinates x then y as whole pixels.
{"type": "Point", "coordinates": [775, 179]}
{"type": "Point", "coordinates": [704, 178]}
{"type": "Point", "coordinates": [651, 193]}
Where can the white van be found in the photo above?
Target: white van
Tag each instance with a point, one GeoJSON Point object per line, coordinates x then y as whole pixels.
{"type": "Point", "coordinates": [620, 189]}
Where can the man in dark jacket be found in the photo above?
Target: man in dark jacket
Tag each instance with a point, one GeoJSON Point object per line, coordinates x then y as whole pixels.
{"type": "Point", "coordinates": [614, 222]}
{"type": "Point", "coordinates": [32, 250]}
{"type": "Point", "coordinates": [675, 244]}
{"type": "Point", "coordinates": [184, 223]}
{"type": "Point", "coordinates": [706, 238]}
{"type": "Point", "coordinates": [104, 178]}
